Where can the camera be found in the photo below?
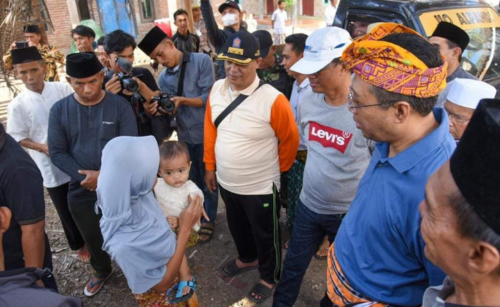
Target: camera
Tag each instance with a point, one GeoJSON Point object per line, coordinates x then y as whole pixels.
{"type": "Point", "coordinates": [125, 76]}
{"type": "Point", "coordinates": [165, 102]}
{"type": "Point", "coordinates": [22, 44]}
{"type": "Point", "coordinates": [128, 83]}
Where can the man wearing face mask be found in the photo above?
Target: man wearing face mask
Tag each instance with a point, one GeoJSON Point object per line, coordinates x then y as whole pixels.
{"type": "Point", "coordinates": [231, 17]}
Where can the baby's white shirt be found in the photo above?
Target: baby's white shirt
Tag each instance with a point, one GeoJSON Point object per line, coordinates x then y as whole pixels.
{"type": "Point", "coordinates": [173, 200]}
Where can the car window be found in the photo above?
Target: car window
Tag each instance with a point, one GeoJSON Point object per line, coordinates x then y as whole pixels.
{"type": "Point", "coordinates": [482, 56]}
{"type": "Point", "coordinates": [358, 22]}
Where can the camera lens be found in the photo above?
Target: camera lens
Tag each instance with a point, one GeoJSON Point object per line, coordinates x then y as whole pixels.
{"type": "Point", "coordinates": [130, 85]}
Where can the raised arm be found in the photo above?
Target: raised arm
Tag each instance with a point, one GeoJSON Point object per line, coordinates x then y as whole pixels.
{"type": "Point", "coordinates": [213, 31]}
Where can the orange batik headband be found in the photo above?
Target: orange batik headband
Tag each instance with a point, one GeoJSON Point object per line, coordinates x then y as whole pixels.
{"type": "Point", "coordinates": [392, 67]}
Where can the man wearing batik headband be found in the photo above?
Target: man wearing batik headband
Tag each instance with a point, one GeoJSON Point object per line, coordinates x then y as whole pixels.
{"type": "Point", "coordinates": [378, 254]}
{"type": "Point", "coordinates": [80, 125]}
{"type": "Point", "coordinates": [461, 214]}
{"type": "Point", "coordinates": [249, 147]}
{"type": "Point", "coordinates": [51, 56]}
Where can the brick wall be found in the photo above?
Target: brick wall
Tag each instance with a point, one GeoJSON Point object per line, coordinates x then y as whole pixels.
{"type": "Point", "coordinates": [59, 13]}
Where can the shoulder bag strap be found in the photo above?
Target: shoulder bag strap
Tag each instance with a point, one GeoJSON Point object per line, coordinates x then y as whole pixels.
{"type": "Point", "coordinates": [234, 104]}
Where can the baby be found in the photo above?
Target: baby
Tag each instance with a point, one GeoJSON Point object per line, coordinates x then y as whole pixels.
{"type": "Point", "coordinates": [174, 193]}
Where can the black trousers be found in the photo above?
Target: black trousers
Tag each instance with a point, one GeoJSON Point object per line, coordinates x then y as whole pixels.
{"type": "Point", "coordinates": [253, 221]}
{"type": "Point", "coordinates": [325, 302]}
{"type": "Point", "coordinates": [88, 223]}
{"type": "Point", "coordinates": [59, 196]}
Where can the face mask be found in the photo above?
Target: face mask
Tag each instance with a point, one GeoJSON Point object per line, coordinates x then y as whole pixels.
{"type": "Point", "coordinates": [229, 19]}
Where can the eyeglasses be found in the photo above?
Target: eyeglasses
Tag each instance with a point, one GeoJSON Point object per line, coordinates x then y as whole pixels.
{"type": "Point", "coordinates": [457, 118]}
{"type": "Point", "coordinates": [354, 106]}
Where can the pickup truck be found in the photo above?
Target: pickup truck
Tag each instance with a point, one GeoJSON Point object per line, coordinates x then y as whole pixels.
{"type": "Point", "coordinates": [478, 18]}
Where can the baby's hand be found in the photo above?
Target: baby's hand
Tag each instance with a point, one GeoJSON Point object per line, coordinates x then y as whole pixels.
{"type": "Point", "coordinates": [173, 221]}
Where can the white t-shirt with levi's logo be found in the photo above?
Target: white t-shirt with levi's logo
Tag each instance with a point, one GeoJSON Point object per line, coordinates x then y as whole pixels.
{"type": "Point", "coordinates": [337, 155]}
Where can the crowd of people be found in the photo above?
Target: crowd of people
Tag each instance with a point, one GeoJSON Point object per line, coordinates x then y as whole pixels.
{"type": "Point", "coordinates": [381, 148]}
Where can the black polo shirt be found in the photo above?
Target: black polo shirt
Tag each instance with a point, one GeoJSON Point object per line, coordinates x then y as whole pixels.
{"type": "Point", "coordinates": [21, 190]}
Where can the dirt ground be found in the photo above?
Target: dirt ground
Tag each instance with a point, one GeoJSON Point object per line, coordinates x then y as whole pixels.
{"type": "Point", "coordinates": [204, 261]}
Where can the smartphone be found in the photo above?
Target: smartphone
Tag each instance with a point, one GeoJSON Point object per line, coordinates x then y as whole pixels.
{"type": "Point", "coordinates": [22, 44]}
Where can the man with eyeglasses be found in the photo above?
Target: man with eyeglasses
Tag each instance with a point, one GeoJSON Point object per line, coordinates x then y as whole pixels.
{"type": "Point", "coordinates": [378, 256]}
{"type": "Point", "coordinates": [462, 100]}
{"type": "Point", "coordinates": [337, 157]}
{"type": "Point", "coordinates": [250, 138]}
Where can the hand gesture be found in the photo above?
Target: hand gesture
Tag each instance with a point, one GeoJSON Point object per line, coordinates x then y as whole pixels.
{"type": "Point", "coordinates": [173, 221]}
{"type": "Point", "coordinates": [151, 108]}
{"type": "Point", "coordinates": [90, 182]}
{"type": "Point", "coordinates": [178, 101]}
{"type": "Point", "coordinates": [114, 85]}
{"type": "Point", "coordinates": [44, 148]}
{"type": "Point", "coordinates": [210, 181]}
{"type": "Point", "coordinates": [192, 215]}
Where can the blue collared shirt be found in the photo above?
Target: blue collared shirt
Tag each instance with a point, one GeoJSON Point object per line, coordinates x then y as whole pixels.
{"type": "Point", "coordinates": [379, 245]}
{"type": "Point", "coordinates": [198, 81]}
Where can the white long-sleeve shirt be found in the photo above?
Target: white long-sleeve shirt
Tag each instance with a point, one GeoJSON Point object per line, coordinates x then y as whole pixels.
{"type": "Point", "coordinates": [28, 118]}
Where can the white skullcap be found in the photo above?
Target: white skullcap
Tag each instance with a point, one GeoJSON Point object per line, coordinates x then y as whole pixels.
{"type": "Point", "coordinates": [467, 92]}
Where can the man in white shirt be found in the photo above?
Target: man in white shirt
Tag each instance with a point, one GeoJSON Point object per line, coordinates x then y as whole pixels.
{"type": "Point", "coordinates": [330, 12]}
{"type": "Point", "coordinates": [249, 147]}
{"type": "Point", "coordinates": [28, 116]}
{"type": "Point", "coordinates": [279, 19]}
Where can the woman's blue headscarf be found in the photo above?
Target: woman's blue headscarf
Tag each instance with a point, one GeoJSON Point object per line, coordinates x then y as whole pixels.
{"type": "Point", "coordinates": [135, 230]}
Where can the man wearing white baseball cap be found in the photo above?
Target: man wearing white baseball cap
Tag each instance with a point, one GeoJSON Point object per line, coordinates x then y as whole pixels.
{"type": "Point", "coordinates": [337, 157]}
{"type": "Point", "coordinates": [462, 100]}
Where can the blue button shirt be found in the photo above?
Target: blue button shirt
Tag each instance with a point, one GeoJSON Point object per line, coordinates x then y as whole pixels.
{"type": "Point", "coordinates": [379, 245]}
{"type": "Point", "coordinates": [198, 81]}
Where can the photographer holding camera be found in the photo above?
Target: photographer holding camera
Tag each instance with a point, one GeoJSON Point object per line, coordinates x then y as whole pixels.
{"type": "Point", "coordinates": [50, 55]}
{"type": "Point", "coordinates": [135, 84]}
{"type": "Point", "coordinates": [187, 79]}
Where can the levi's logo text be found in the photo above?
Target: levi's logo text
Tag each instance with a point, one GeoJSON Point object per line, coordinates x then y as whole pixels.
{"type": "Point", "coordinates": [329, 137]}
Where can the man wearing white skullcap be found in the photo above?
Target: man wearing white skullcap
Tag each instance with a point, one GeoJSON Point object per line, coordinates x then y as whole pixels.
{"type": "Point", "coordinates": [462, 100]}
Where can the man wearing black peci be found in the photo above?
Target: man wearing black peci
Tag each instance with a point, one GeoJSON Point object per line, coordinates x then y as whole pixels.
{"type": "Point", "coordinates": [120, 48]}
{"type": "Point", "coordinates": [80, 126]}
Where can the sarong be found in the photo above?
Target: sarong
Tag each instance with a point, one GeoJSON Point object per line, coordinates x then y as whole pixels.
{"type": "Point", "coordinates": [294, 182]}
{"type": "Point", "coordinates": [156, 299]}
{"type": "Point", "coordinates": [340, 292]}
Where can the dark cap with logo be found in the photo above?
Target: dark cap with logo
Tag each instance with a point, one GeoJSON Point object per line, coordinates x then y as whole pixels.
{"type": "Point", "coordinates": [265, 41]}
{"type": "Point", "coordinates": [241, 48]}
{"type": "Point", "coordinates": [452, 33]}
{"type": "Point", "coordinates": [475, 164]}
{"type": "Point", "coordinates": [152, 39]}
{"type": "Point", "coordinates": [229, 3]}
{"type": "Point", "coordinates": [82, 65]}
{"type": "Point", "coordinates": [25, 55]}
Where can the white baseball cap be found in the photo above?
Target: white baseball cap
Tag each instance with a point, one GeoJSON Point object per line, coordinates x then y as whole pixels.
{"type": "Point", "coordinates": [467, 93]}
{"type": "Point", "coordinates": [322, 47]}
